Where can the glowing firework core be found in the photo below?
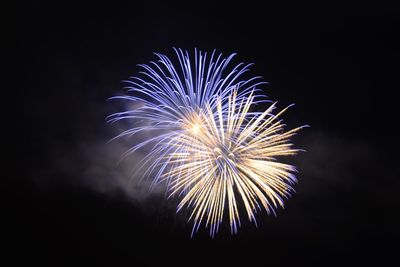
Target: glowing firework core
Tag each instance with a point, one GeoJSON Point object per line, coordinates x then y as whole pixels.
{"type": "Point", "coordinates": [196, 128]}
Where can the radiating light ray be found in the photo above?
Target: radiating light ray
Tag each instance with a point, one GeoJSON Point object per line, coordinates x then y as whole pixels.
{"type": "Point", "coordinates": [204, 139]}
{"type": "Point", "coordinates": [232, 156]}
{"type": "Point", "coordinates": [171, 95]}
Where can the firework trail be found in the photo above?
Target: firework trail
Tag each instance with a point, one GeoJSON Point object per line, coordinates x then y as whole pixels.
{"type": "Point", "coordinates": [208, 146]}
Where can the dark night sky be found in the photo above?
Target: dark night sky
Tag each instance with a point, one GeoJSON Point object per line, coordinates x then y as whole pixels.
{"type": "Point", "coordinates": [337, 63]}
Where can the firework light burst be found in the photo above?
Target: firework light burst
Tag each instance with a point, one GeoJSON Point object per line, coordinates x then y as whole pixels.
{"type": "Point", "coordinates": [207, 144]}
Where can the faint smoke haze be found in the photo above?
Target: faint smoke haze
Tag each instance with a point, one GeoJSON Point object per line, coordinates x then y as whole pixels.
{"type": "Point", "coordinates": [97, 163]}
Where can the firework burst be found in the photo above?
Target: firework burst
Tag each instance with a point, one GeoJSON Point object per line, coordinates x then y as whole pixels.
{"type": "Point", "coordinates": [230, 157]}
{"type": "Point", "coordinates": [208, 146]}
{"type": "Point", "coordinates": [168, 97]}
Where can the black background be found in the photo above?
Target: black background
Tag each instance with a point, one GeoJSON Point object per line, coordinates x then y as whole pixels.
{"type": "Point", "coordinates": [337, 63]}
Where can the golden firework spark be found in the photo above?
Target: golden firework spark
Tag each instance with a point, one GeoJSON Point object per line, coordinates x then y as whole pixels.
{"type": "Point", "coordinates": [229, 157]}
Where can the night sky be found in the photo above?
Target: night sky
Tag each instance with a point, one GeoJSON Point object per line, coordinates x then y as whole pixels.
{"type": "Point", "coordinates": [65, 196]}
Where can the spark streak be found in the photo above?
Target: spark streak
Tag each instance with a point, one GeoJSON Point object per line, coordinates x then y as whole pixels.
{"type": "Point", "coordinates": [212, 151]}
